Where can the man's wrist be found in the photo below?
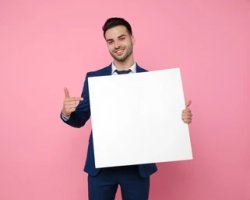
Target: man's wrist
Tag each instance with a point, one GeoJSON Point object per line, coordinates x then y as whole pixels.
{"type": "Point", "coordinates": [65, 117]}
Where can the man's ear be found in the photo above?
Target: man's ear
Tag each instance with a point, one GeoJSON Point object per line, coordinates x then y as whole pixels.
{"type": "Point", "coordinates": [133, 39]}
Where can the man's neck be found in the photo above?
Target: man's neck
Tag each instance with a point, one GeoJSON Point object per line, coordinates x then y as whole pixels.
{"type": "Point", "coordinates": [123, 65]}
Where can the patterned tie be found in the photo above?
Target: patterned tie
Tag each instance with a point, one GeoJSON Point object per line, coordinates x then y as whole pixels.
{"type": "Point", "coordinates": [123, 71]}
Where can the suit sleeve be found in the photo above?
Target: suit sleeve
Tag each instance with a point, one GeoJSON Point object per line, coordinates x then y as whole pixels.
{"type": "Point", "coordinates": [80, 116]}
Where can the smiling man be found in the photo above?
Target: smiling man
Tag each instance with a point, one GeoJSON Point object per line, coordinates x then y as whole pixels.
{"type": "Point", "coordinates": [120, 44]}
{"type": "Point", "coordinates": [133, 180]}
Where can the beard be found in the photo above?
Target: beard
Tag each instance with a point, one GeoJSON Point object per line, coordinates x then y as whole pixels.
{"type": "Point", "coordinates": [124, 57]}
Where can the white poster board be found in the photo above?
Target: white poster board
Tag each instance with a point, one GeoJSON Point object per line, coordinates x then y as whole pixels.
{"type": "Point", "coordinates": [136, 118]}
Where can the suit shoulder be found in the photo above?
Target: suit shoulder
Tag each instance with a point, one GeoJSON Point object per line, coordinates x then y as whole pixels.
{"type": "Point", "coordinates": [100, 72]}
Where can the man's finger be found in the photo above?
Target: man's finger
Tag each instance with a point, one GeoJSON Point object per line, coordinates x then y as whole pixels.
{"type": "Point", "coordinates": [66, 92]}
{"type": "Point", "coordinates": [72, 99]}
{"type": "Point", "coordinates": [188, 103]}
{"type": "Point", "coordinates": [77, 98]}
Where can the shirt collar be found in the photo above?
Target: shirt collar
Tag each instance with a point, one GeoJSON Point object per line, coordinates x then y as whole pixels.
{"type": "Point", "coordinates": [132, 68]}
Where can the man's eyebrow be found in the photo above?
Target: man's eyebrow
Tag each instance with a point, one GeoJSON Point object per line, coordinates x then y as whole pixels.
{"type": "Point", "coordinates": [108, 40]}
{"type": "Point", "coordinates": [123, 35]}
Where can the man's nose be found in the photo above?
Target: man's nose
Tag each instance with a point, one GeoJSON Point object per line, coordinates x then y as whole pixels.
{"type": "Point", "coordinates": [117, 45]}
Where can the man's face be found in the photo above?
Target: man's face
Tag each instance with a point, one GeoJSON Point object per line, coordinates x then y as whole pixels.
{"type": "Point", "coordinates": [120, 43]}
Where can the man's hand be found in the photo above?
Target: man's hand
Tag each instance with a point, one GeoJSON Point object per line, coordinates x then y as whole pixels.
{"type": "Point", "coordinates": [187, 114]}
{"type": "Point", "coordinates": [70, 103]}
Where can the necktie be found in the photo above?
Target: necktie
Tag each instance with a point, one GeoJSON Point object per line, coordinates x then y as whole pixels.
{"type": "Point", "coordinates": [123, 71]}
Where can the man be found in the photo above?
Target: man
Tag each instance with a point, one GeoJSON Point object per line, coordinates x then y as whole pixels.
{"type": "Point", "coordinates": [133, 180]}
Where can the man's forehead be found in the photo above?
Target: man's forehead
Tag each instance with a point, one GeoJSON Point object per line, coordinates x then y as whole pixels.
{"type": "Point", "coordinates": [116, 31]}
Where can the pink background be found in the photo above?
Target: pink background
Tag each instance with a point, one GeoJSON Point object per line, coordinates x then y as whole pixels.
{"type": "Point", "coordinates": [46, 45]}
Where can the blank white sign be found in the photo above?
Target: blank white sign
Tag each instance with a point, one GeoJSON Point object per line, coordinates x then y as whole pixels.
{"type": "Point", "coordinates": [136, 118]}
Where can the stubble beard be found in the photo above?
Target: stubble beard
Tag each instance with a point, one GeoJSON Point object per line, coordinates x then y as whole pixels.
{"type": "Point", "coordinates": [124, 57]}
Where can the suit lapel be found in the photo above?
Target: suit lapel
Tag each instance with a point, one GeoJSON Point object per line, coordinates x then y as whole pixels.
{"type": "Point", "coordinates": [108, 70]}
{"type": "Point", "coordinates": [139, 69]}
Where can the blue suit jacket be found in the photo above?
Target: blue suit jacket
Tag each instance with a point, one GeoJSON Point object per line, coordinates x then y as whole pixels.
{"type": "Point", "coordinates": [82, 114]}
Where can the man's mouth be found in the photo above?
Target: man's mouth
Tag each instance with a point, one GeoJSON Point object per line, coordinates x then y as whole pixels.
{"type": "Point", "coordinates": [119, 52]}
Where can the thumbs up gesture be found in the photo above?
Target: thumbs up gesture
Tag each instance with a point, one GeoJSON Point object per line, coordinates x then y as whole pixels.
{"type": "Point", "coordinates": [70, 103]}
{"type": "Point", "coordinates": [187, 114]}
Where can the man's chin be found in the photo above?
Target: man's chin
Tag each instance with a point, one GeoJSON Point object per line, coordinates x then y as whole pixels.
{"type": "Point", "coordinates": [119, 59]}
